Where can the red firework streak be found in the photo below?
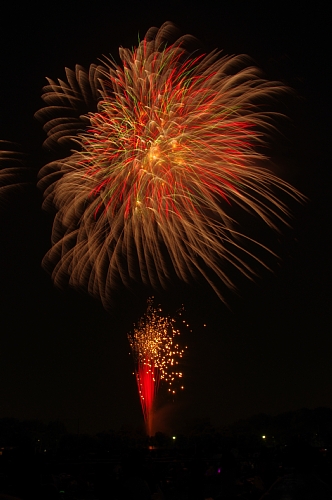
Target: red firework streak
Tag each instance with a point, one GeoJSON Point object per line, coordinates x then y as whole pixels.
{"type": "Point", "coordinates": [156, 354]}
{"type": "Point", "coordinates": [147, 377]}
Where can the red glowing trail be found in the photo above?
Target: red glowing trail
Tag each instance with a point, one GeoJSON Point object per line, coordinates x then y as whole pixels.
{"type": "Point", "coordinates": [148, 377]}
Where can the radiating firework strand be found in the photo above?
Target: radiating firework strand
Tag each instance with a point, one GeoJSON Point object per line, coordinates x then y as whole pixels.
{"type": "Point", "coordinates": [166, 143]}
{"type": "Point", "coordinates": [14, 174]}
{"type": "Point", "coordinates": [156, 355]}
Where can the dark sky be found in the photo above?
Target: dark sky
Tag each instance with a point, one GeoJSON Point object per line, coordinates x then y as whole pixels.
{"type": "Point", "coordinates": [61, 355]}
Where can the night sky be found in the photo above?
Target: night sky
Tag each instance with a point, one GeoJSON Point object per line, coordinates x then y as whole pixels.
{"type": "Point", "coordinates": [62, 356]}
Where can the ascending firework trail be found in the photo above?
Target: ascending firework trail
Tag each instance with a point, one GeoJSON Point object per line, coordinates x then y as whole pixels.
{"type": "Point", "coordinates": [164, 145]}
{"type": "Point", "coordinates": [156, 357]}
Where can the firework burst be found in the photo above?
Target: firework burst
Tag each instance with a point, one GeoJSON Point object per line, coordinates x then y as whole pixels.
{"type": "Point", "coordinates": [156, 356]}
{"type": "Point", "coordinates": [171, 142]}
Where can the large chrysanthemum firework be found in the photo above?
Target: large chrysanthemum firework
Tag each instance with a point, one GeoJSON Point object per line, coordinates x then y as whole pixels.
{"type": "Point", "coordinates": [171, 141]}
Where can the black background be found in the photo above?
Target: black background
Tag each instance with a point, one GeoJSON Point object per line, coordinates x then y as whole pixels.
{"type": "Point", "coordinates": [61, 355]}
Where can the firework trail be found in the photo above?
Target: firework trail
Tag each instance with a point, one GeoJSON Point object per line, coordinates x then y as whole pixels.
{"type": "Point", "coordinates": [156, 356]}
{"type": "Point", "coordinates": [14, 174]}
{"type": "Point", "coordinates": [164, 145]}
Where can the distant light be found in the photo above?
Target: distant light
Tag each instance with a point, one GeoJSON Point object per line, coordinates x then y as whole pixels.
{"type": "Point", "coordinates": [263, 437]}
{"type": "Point", "coordinates": [173, 437]}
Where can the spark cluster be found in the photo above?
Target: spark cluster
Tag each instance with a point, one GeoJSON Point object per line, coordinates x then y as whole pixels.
{"type": "Point", "coordinates": [153, 344]}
